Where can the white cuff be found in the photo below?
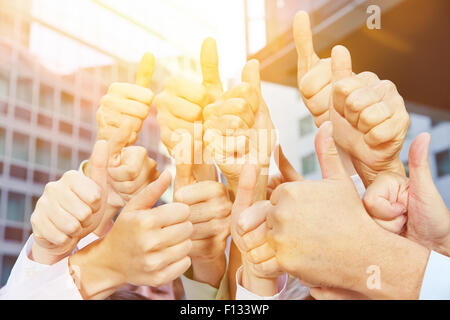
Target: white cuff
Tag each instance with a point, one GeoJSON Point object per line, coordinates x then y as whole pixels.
{"type": "Point", "coordinates": [436, 281]}
{"type": "Point", "coordinates": [359, 185]}
{"type": "Point", "coordinates": [244, 294]}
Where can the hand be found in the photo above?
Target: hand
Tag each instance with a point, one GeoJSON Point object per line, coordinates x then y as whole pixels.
{"type": "Point", "coordinates": [145, 246]}
{"type": "Point", "coordinates": [287, 172]}
{"type": "Point", "coordinates": [369, 119]}
{"type": "Point", "coordinates": [70, 209]}
{"type": "Point", "coordinates": [210, 216]}
{"type": "Point", "coordinates": [127, 102]}
{"type": "Point", "coordinates": [393, 197]}
{"type": "Point", "coordinates": [179, 117]}
{"type": "Point", "coordinates": [328, 242]}
{"type": "Point", "coordinates": [238, 127]}
{"type": "Point", "coordinates": [129, 168]}
{"type": "Point", "coordinates": [248, 228]}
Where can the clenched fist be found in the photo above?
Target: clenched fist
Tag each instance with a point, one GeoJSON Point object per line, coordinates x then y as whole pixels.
{"type": "Point", "coordinates": [127, 102]}
{"type": "Point", "coordinates": [70, 209]}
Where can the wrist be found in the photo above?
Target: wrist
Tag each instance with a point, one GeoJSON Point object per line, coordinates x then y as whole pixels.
{"type": "Point", "coordinates": [46, 256]}
{"type": "Point", "coordinates": [368, 174]}
{"type": "Point", "coordinates": [92, 272]}
{"type": "Point", "coordinates": [265, 287]}
{"type": "Point", "coordinates": [209, 270]}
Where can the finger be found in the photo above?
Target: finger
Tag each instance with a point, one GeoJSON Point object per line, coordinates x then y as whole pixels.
{"type": "Point", "coordinates": [131, 91]}
{"type": "Point", "coordinates": [191, 91]}
{"type": "Point", "coordinates": [174, 123]}
{"type": "Point", "coordinates": [373, 116]}
{"type": "Point", "coordinates": [179, 107]}
{"type": "Point", "coordinates": [268, 269]}
{"type": "Point", "coordinates": [260, 254]}
{"type": "Point", "coordinates": [71, 203]}
{"type": "Point", "coordinates": [316, 79]}
{"type": "Point", "coordinates": [395, 225]}
{"type": "Point", "coordinates": [286, 169]}
{"type": "Point", "coordinates": [209, 62]}
{"type": "Point", "coordinates": [253, 217]}
{"type": "Point", "coordinates": [200, 192]}
{"type": "Point", "coordinates": [232, 106]}
{"type": "Point", "coordinates": [381, 208]}
{"type": "Point", "coordinates": [244, 91]}
{"type": "Point", "coordinates": [329, 160]}
{"type": "Point", "coordinates": [226, 123]}
{"type": "Point", "coordinates": [172, 235]}
{"type": "Point", "coordinates": [83, 189]}
{"type": "Point", "coordinates": [145, 70]}
{"type": "Point", "coordinates": [418, 161]}
{"type": "Point", "coordinates": [214, 208]}
{"type": "Point", "coordinates": [319, 103]}
{"type": "Point", "coordinates": [341, 63]}
{"type": "Point", "coordinates": [254, 238]}
{"type": "Point", "coordinates": [64, 221]}
{"type": "Point", "coordinates": [341, 91]}
{"type": "Point", "coordinates": [246, 187]}
{"type": "Point", "coordinates": [148, 196]}
{"type": "Point", "coordinates": [132, 162]}
{"type": "Point", "coordinates": [161, 259]}
{"type": "Point", "coordinates": [169, 214]}
{"type": "Point", "coordinates": [119, 141]}
{"type": "Point", "coordinates": [99, 165]}
{"type": "Point", "coordinates": [211, 228]}
{"type": "Point", "coordinates": [126, 106]}
{"type": "Point", "coordinates": [113, 118]}
{"type": "Point", "coordinates": [392, 129]}
{"type": "Point", "coordinates": [304, 43]}
{"type": "Point", "coordinates": [48, 231]}
{"type": "Point", "coordinates": [172, 271]}
{"type": "Point", "coordinates": [250, 74]}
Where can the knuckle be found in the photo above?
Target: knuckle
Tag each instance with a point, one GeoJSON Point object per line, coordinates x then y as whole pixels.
{"type": "Point", "coordinates": [152, 264]}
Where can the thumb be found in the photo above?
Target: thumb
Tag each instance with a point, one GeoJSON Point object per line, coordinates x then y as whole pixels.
{"type": "Point", "coordinates": [118, 141]}
{"type": "Point", "coordinates": [287, 171]}
{"type": "Point", "coordinates": [99, 165]}
{"type": "Point", "coordinates": [209, 62]}
{"type": "Point", "coordinates": [250, 74]}
{"type": "Point", "coordinates": [150, 194]}
{"type": "Point", "coordinates": [341, 63]}
{"type": "Point", "coordinates": [183, 177]}
{"type": "Point", "coordinates": [307, 57]}
{"type": "Point", "coordinates": [329, 160]}
{"type": "Point", "coordinates": [246, 188]}
{"type": "Point", "coordinates": [418, 161]}
{"type": "Point", "coordinates": [145, 70]}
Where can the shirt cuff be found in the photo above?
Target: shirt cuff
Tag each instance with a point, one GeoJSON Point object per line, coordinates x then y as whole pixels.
{"type": "Point", "coordinates": [359, 185]}
{"type": "Point", "coordinates": [196, 290]}
{"type": "Point", "coordinates": [244, 294]}
{"type": "Point", "coordinates": [82, 165]}
{"type": "Point", "coordinates": [436, 281]}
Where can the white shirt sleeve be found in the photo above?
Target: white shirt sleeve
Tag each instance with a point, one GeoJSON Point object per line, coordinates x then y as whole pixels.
{"type": "Point", "coordinates": [436, 281]}
{"type": "Point", "coordinates": [288, 289]}
{"type": "Point", "coordinates": [359, 185]}
{"type": "Point", "coordinates": [33, 280]}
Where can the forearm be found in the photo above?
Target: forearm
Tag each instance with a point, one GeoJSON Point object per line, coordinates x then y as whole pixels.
{"type": "Point", "coordinates": [90, 271]}
{"type": "Point", "coordinates": [210, 271]}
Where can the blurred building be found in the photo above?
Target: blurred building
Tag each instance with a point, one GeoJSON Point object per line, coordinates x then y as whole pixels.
{"type": "Point", "coordinates": [408, 49]}
{"type": "Point", "coordinates": [47, 119]}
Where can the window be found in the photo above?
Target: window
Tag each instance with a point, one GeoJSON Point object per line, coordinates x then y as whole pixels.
{"type": "Point", "coordinates": [46, 97]}
{"type": "Point", "coordinates": [306, 125]}
{"type": "Point", "coordinates": [309, 164]}
{"type": "Point", "coordinates": [65, 127]}
{"type": "Point", "coordinates": [18, 172]}
{"type": "Point", "coordinates": [7, 265]}
{"type": "Point", "coordinates": [13, 234]}
{"type": "Point", "coordinates": [16, 207]}
{"type": "Point", "coordinates": [85, 134]}
{"type": "Point", "coordinates": [86, 115]}
{"type": "Point", "coordinates": [45, 121]}
{"type": "Point", "coordinates": [22, 114]}
{"type": "Point", "coordinates": [41, 177]}
{"type": "Point", "coordinates": [4, 83]}
{"type": "Point", "coordinates": [64, 158]}
{"type": "Point", "coordinates": [83, 155]}
{"type": "Point", "coordinates": [443, 162]}
{"type": "Point", "coordinates": [66, 108]}
{"type": "Point", "coordinates": [20, 146]}
{"type": "Point", "coordinates": [2, 141]}
{"type": "Point", "coordinates": [43, 152]}
{"type": "Point", "coordinates": [24, 89]}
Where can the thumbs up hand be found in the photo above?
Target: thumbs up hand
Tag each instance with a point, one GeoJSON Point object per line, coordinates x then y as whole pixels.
{"type": "Point", "coordinates": [125, 101]}
{"type": "Point", "coordinates": [392, 199]}
{"type": "Point", "coordinates": [369, 118]}
{"type": "Point", "coordinates": [238, 127]}
{"type": "Point", "coordinates": [249, 232]}
{"type": "Point", "coordinates": [180, 119]}
{"type": "Point", "coordinates": [70, 209]}
{"type": "Point", "coordinates": [311, 225]}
